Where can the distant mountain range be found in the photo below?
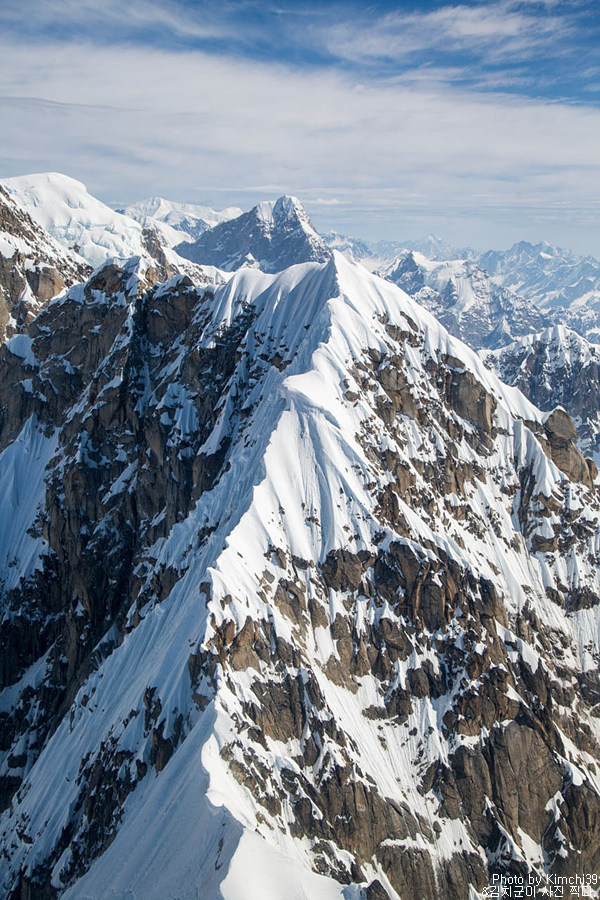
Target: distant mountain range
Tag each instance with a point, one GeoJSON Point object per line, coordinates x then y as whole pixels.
{"type": "Point", "coordinates": [562, 286]}
{"type": "Point", "coordinates": [376, 255]}
{"type": "Point", "coordinates": [178, 222]}
{"type": "Point", "coordinates": [461, 294]}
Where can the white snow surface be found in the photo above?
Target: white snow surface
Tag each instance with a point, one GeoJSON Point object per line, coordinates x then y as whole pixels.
{"type": "Point", "coordinates": [22, 491]}
{"type": "Point", "coordinates": [179, 222]}
{"type": "Point", "coordinates": [76, 219]}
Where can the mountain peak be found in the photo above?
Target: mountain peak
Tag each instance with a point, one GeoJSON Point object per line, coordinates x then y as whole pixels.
{"type": "Point", "coordinates": [274, 586]}
{"type": "Point", "coordinates": [290, 205]}
{"type": "Point", "coordinates": [285, 207]}
{"type": "Point", "coordinates": [271, 236]}
{"type": "Point", "coordinates": [55, 181]}
{"type": "Point", "coordinates": [437, 248]}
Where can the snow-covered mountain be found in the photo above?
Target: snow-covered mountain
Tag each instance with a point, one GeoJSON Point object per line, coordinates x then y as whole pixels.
{"type": "Point", "coordinates": [376, 256]}
{"type": "Point", "coordinates": [78, 221]}
{"type": "Point", "coordinates": [537, 282]}
{"type": "Point", "coordinates": [556, 368]}
{"type": "Point", "coordinates": [546, 274]}
{"type": "Point", "coordinates": [465, 299]}
{"type": "Point", "coordinates": [373, 255]}
{"type": "Point", "coordinates": [271, 236]}
{"type": "Point", "coordinates": [33, 267]}
{"type": "Point", "coordinates": [88, 233]}
{"type": "Point", "coordinates": [438, 249]}
{"type": "Point", "coordinates": [178, 222]}
{"type": "Point", "coordinates": [299, 600]}
{"type": "Point", "coordinates": [563, 285]}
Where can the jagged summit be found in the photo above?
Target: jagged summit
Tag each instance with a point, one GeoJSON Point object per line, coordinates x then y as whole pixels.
{"type": "Point", "coordinates": [523, 252]}
{"type": "Point", "coordinates": [295, 590]}
{"type": "Point", "coordinates": [271, 236]}
{"type": "Point", "coordinates": [284, 207]}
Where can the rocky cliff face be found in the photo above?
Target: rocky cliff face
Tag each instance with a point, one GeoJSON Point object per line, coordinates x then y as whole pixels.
{"type": "Point", "coordinates": [272, 236]}
{"type": "Point", "coordinates": [295, 591]}
{"type": "Point", "coordinates": [33, 267]}
{"type": "Point", "coordinates": [556, 367]}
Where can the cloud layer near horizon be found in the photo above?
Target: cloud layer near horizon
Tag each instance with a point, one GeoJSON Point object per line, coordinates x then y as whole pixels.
{"type": "Point", "coordinates": [384, 154]}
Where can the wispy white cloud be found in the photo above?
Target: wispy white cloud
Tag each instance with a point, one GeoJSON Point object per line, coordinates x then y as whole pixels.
{"type": "Point", "coordinates": [114, 19]}
{"type": "Point", "coordinates": [499, 30]}
{"type": "Point", "coordinates": [383, 156]}
{"type": "Point", "coordinates": [327, 201]}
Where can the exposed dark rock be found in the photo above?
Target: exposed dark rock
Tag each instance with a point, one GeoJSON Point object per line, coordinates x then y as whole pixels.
{"type": "Point", "coordinates": [342, 570]}
{"type": "Point", "coordinates": [563, 449]}
{"type": "Point", "coordinates": [272, 236]}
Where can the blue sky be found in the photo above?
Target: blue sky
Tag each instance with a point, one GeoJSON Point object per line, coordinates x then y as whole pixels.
{"type": "Point", "coordinates": [477, 120]}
